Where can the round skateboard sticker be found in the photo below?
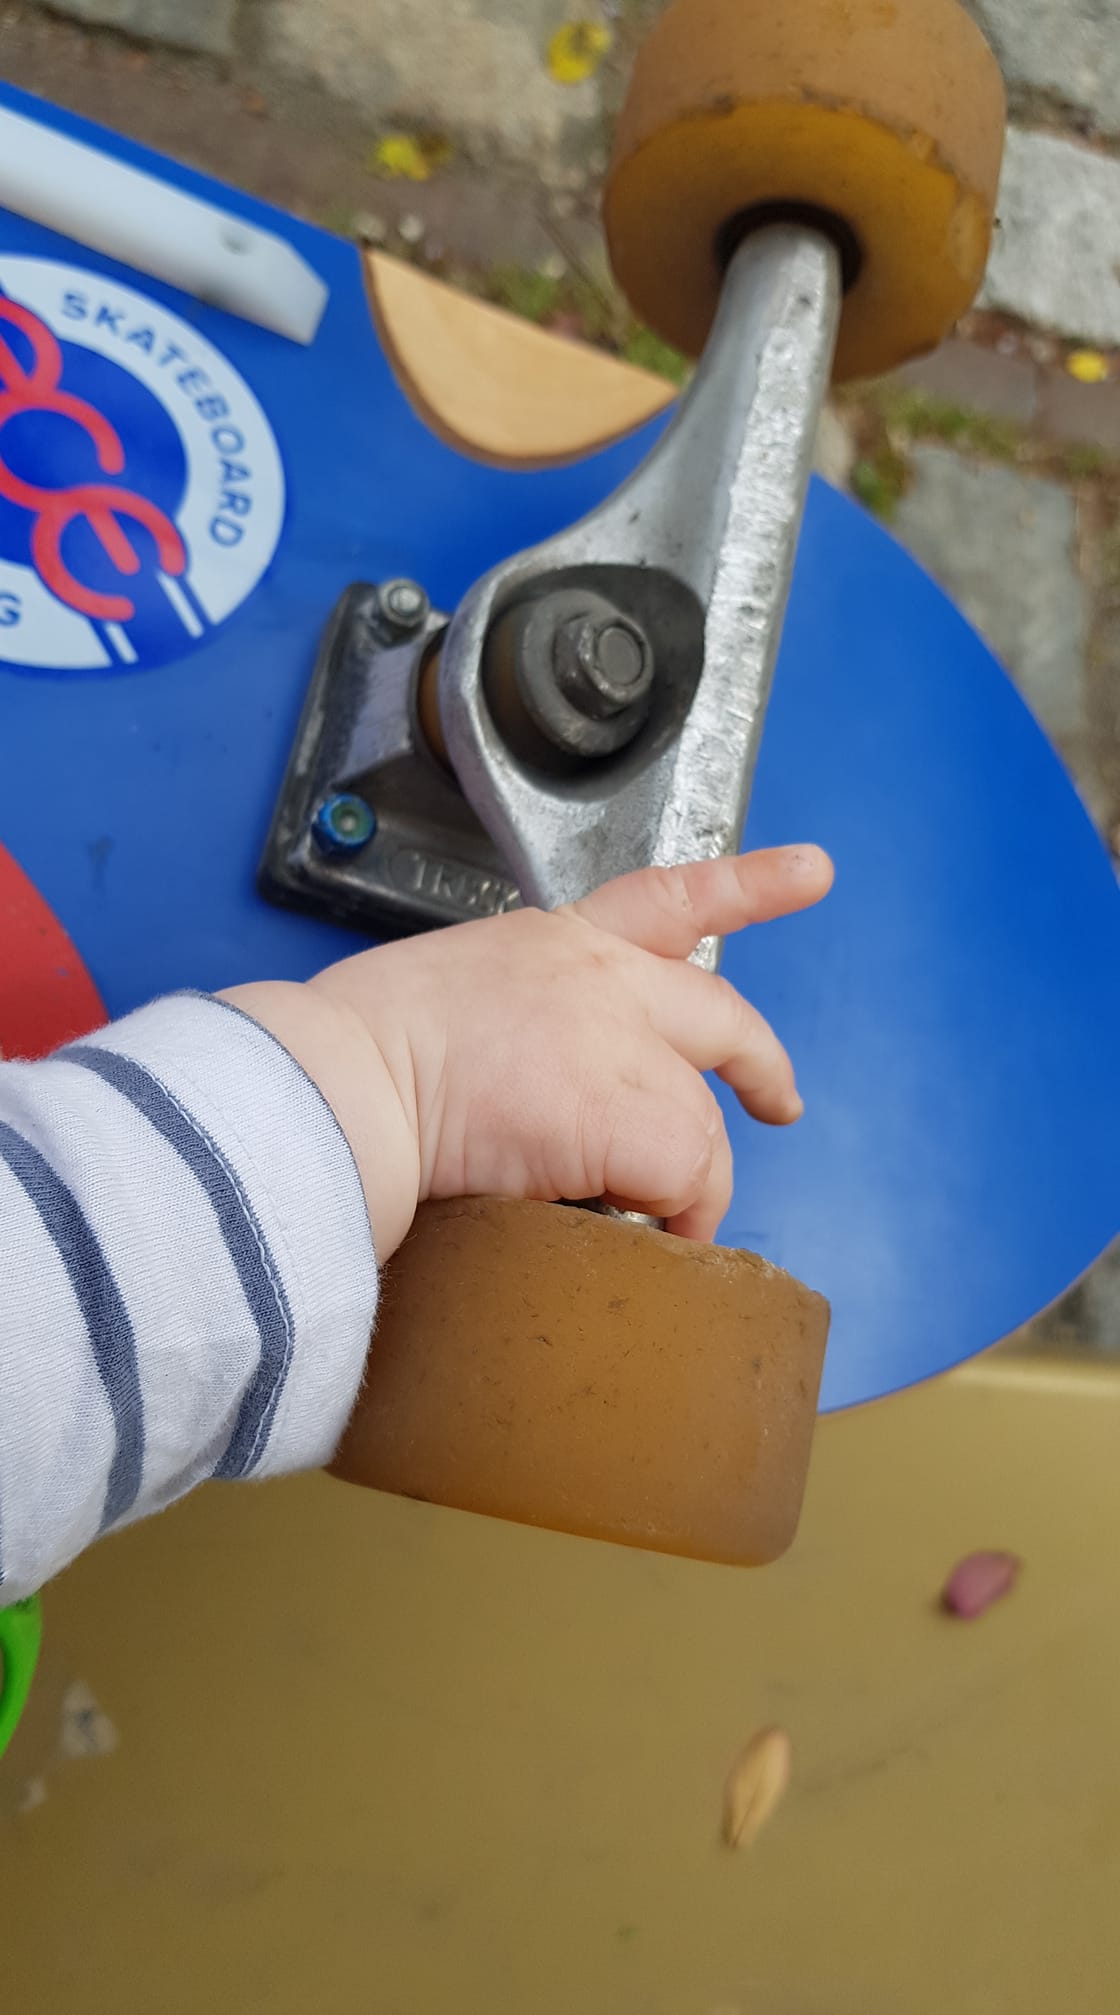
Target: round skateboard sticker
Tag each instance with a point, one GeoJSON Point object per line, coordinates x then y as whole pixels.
{"type": "Point", "coordinates": [141, 487]}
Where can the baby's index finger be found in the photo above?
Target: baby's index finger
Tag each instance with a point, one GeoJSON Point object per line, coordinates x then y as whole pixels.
{"type": "Point", "coordinates": [671, 910]}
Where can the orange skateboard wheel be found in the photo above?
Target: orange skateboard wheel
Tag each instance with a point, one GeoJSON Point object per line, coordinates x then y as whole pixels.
{"type": "Point", "coordinates": [882, 118]}
{"type": "Point", "coordinates": [561, 1369]}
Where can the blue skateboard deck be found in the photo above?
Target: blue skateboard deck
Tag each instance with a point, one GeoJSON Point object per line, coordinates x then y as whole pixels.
{"type": "Point", "coordinates": [183, 496]}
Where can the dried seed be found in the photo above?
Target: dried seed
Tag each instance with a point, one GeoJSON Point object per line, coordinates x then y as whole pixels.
{"type": "Point", "coordinates": [978, 1581]}
{"type": "Point", "coordinates": [756, 1784]}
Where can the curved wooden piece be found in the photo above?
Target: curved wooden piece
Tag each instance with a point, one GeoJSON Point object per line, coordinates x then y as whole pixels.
{"type": "Point", "coordinates": [498, 388]}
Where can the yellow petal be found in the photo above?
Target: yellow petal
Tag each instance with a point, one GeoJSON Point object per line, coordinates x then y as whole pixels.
{"type": "Point", "coordinates": [411, 157]}
{"type": "Point", "coordinates": [1088, 367]}
{"type": "Point", "coordinates": [576, 51]}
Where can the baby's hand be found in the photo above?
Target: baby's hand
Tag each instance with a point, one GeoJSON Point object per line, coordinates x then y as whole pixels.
{"type": "Point", "coordinates": [552, 1054]}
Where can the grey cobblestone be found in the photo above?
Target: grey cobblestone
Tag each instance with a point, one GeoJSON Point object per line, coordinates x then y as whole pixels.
{"type": "Point", "coordinates": [1064, 50]}
{"type": "Point", "coordinates": [473, 68]}
{"type": "Point", "coordinates": [1056, 258]}
{"type": "Point", "coordinates": [205, 25]}
{"type": "Point", "coordinates": [1003, 545]}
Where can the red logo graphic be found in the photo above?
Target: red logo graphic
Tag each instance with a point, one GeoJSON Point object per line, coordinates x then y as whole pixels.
{"type": "Point", "coordinates": [46, 995]}
{"type": "Point", "coordinates": [102, 505]}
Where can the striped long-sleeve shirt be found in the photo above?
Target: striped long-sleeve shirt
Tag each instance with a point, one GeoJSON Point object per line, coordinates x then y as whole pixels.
{"type": "Point", "coordinates": [187, 1278]}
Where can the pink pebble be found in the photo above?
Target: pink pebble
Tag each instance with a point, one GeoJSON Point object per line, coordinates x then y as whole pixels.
{"type": "Point", "coordinates": [978, 1581]}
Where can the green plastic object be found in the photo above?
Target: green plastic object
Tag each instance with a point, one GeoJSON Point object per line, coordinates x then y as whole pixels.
{"type": "Point", "coordinates": [21, 1629]}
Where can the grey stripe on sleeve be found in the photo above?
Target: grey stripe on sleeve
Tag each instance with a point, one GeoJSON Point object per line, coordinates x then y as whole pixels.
{"type": "Point", "coordinates": [244, 1238]}
{"type": "Point", "coordinates": [102, 1308]}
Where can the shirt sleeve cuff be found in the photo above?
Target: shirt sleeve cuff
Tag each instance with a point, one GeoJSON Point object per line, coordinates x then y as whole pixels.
{"type": "Point", "coordinates": [287, 1155]}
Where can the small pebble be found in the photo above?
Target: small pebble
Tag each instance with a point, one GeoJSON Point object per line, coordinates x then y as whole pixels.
{"type": "Point", "coordinates": [370, 228]}
{"type": "Point", "coordinates": [977, 1582]}
{"type": "Point", "coordinates": [34, 1795]}
{"type": "Point", "coordinates": [410, 228]}
{"type": "Point", "coordinates": [566, 322]}
{"type": "Point", "coordinates": [571, 180]}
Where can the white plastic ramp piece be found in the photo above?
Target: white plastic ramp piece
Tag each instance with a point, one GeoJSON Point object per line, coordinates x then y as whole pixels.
{"type": "Point", "coordinates": [144, 222]}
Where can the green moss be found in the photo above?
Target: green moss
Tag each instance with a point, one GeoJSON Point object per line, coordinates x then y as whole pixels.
{"type": "Point", "coordinates": [525, 292]}
{"type": "Point", "coordinates": [921, 416]}
{"type": "Point", "coordinates": [544, 299]}
{"type": "Point", "coordinates": [643, 348]}
{"type": "Point", "coordinates": [598, 314]}
{"type": "Point", "coordinates": [887, 420]}
{"type": "Point", "coordinates": [1081, 462]}
{"type": "Point", "coordinates": [339, 218]}
{"type": "Point", "coordinates": [879, 480]}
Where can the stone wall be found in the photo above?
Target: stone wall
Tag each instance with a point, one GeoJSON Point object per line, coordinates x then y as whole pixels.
{"type": "Point", "coordinates": [477, 68]}
{"type": "Point", "coordinates": [474, 70]}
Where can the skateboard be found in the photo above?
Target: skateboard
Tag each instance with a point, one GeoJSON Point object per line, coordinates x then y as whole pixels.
{"type": "Point", "coordinates": [949, 1007]}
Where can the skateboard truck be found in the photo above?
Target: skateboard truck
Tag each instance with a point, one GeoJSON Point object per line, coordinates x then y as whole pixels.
{"type": "Point", "coordinates": [595, 704]}
{"type": "Point", "coordinates": [796, 194]}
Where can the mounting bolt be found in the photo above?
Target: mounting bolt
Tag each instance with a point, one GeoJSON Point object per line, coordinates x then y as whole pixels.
{"type": "Point", "coordinates": [343, 824]}
{"type": "Point", "coordinates": [402, 606]}
{"type": "Point", "coordinates": [603, 665]}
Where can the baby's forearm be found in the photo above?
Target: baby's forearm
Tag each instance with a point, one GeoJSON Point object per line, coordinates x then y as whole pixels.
{"type": "Point", "coordinates": [374, 1105]}
{"type": "Point", "coordinates": [188, 1276]}
{"type": "Point", "coordinates": [190, 1201]}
